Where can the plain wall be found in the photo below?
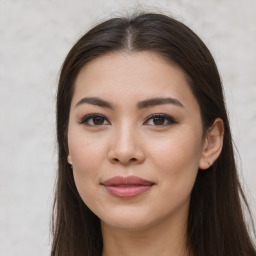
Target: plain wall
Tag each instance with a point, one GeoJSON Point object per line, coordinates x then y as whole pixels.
{"type": "Point", "coordinates": [35, 37]}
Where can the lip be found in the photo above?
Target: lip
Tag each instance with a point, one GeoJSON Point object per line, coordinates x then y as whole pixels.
{"type": "Point", "coordinates": [127, 187]}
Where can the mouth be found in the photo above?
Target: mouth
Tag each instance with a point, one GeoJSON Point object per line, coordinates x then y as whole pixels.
{"type": "Point", "coordinates": [127, 187]}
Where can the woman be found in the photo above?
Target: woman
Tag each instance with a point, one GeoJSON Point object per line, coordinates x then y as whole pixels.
{"type": "Point", "coordinates": [146, 162]}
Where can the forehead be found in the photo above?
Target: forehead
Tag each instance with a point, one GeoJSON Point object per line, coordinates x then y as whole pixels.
{"type": "Point", "coordinates": [122, 77]}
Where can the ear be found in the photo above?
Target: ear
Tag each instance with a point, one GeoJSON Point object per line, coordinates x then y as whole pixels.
{"type": "Point", "coordinates": [212, 144]}
{"type": "Point", "coordinates": [69, 160]}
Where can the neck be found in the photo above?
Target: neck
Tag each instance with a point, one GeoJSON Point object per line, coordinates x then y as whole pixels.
{"type": "Point", "coordinates": [165, 239]}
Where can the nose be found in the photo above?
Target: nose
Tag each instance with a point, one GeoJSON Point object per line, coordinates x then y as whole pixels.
{"type": "Point", "coordinates": [126, 146]}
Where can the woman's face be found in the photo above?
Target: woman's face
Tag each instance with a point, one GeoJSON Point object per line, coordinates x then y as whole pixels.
{"type": "Point", "coordinates": [135, 140]}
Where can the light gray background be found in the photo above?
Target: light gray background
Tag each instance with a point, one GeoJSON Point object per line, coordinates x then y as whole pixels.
{"type": "Point", "coordinates": [36, 35]}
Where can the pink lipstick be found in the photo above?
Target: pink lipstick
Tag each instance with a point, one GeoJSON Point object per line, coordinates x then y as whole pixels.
{"type": "Point", "coordinates": [127, 187]}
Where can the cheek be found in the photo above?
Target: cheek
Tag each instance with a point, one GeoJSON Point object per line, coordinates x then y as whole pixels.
{"type": "Point", "coordinates": [88, 157]}
{"type": "Point", "coordinates": [87, 151]}
{"type": "Point", "coordinates": [177, 159]}
{"type": "Point", "coordinates": [180, 150]}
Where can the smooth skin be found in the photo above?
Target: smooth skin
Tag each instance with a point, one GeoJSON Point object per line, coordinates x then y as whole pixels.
{"type": "Point", "coordinates": [120, 137]}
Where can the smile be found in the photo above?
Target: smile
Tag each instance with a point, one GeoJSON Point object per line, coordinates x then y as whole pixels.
{"type": "Point", "coordinates": [127, 187]}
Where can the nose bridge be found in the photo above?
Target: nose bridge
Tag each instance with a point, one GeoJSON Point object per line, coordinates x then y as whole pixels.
{"type": "Point", "coordinates": [125, 134]}
{"type": "Point", "coordinates": [125, 143]}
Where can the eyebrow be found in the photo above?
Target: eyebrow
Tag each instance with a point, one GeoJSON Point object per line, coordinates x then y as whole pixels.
{"type": "Point", "coordinates": [158, 101]}
{"type": "Point", "coordinates": [142, 104]}
{"type": "Point", "coordinates": [95, 101]}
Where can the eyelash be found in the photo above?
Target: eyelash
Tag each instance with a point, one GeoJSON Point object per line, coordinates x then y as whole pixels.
{"type": "Point", "coordinates": [167, 118]}
{"type": "Point", "coordinates": [91, 116]}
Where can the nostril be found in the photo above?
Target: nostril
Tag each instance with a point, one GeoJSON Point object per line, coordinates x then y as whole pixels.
{"type": "Point", "coordinates": [131, 160]}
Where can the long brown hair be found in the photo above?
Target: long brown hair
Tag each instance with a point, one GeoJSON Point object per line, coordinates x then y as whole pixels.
{"type": "Point", "coordinates": [216, 226]}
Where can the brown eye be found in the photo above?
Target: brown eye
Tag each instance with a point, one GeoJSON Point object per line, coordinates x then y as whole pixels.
{"type": "Point", "coordinates": [160, 120]}
{"type": "Point", "coordinates": [98, 120]}
{"type": "Point", "coordinates": [94, 120]}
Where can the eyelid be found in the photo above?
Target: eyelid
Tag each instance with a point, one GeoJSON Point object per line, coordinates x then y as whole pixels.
{"type": "Point", "coordinates": [170, 119]}
{"type": "Point", "coordinates": [85, 118]}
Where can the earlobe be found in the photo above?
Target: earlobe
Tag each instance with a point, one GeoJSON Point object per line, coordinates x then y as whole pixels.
{"type": "Point", "coordinates": [69, 160]}
{"type": "Point", "coordinates": [213, 143]}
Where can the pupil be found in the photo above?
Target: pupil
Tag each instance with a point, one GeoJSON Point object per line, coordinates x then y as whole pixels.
{"type": "Point", "coordinates": [159, 120]}
{"type": "Point", "coordinates": [98, 120]}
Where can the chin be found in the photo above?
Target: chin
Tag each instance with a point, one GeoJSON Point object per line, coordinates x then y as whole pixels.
{"type": "Point", "coordinates": [131, 220]}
